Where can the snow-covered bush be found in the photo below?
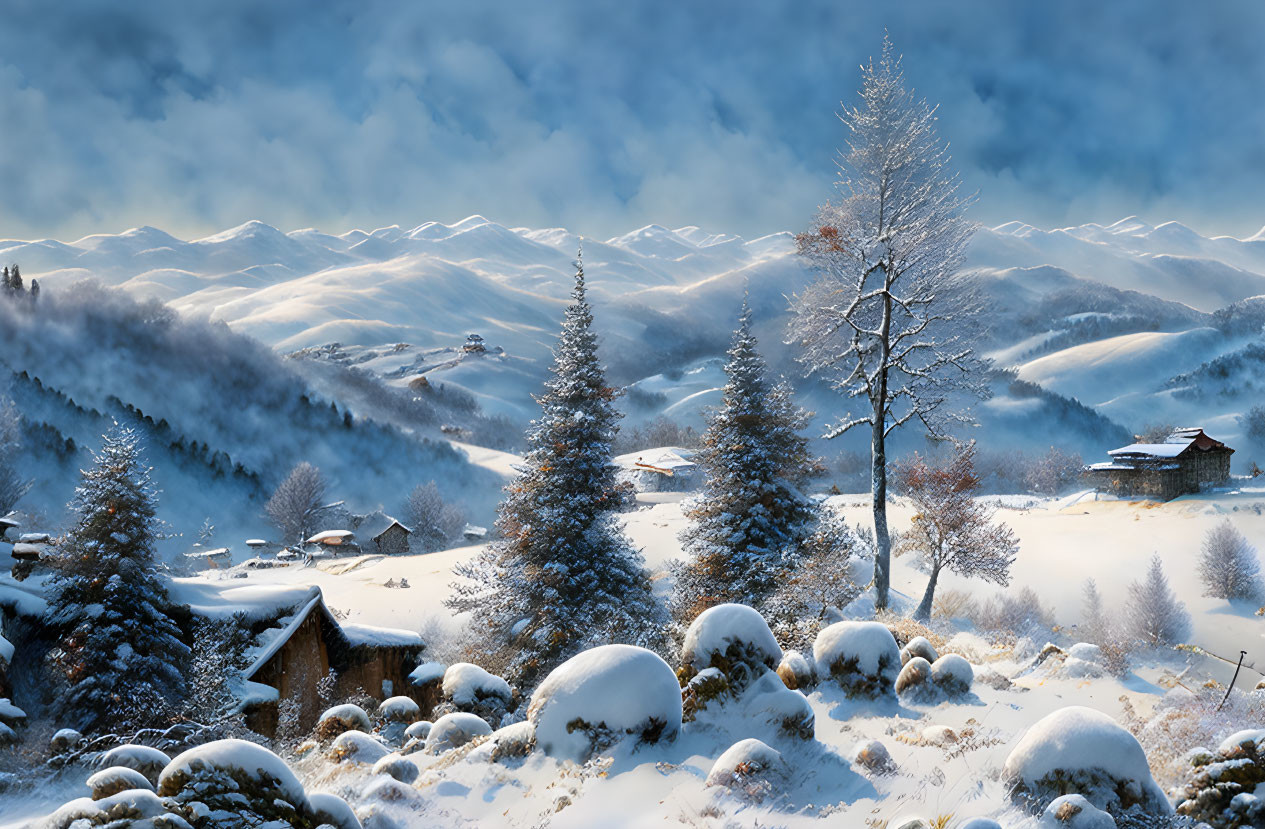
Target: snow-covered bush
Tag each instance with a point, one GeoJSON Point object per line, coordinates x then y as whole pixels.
{"type": "Point", "coordinates": [861, 657]}
{"type": "Point", "coordinates": [64, 740]}
{"type": "Point", "coordinates": [952, 675]}
{"type": "Point", "coordinates": [399, 710]}
{"type": "Point", "coordinates": [133, 807]}
{"type": "Point", "coordinates": [914, 676]}
{"type": "Point", "coordinates": [341, 718]}
{"type": "Point", "coordinates": [1223, 789]}
{"type": "Point", "coordinates": [514, 741]}
{"type": "Point", "coordinates": [1082, 751]}
{"type": "Point", "coordinates": [732, 638]}
{"type": "Point", "coordinates": [604, 695]}
{"type": "Point", "coordinates": [707, 686]}
{"type": "Point", "coordinates": [1073, 811]}
{"type": "Point", "coordinates": [116, 779]}
{"type": "Point", "coordinates": [467, 687]}
{"type": "Point", "coordinates": [750, 768]}
{"type": "Point", "coordinates": [768, 701]}
{"type": "Point", "coordinates": [1011, 614]}
{"type": "Point", "coordinates": [455, 730]}
{"type": "Point", "coordinates": [918, 646]}
{"type": "Point", "coordinates": [1153, 614]}
{"type": "Point", "coordinates": [357, 747]}
{"type": "Point", "coordinates": [233, 783]}
{"type": "Point", "coordinates": [874, 757]}
{"type": "Point", "coordinates": [797, 671]}
{"type": "Point", "coordinates": [396, 766]}
{"type": "Point", "coordinates": [1084, 660]}
{"type": "Point", "coordinates": [147, 760]}
{"type": "Point", "coordinates": [332, 810]}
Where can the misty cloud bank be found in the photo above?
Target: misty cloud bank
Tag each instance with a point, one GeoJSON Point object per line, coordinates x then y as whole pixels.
{"type": "Point", "coordinates": [604, 116]}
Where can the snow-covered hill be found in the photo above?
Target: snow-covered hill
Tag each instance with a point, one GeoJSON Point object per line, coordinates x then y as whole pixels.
{"type": "Point", "coordinates": [1107, 314]}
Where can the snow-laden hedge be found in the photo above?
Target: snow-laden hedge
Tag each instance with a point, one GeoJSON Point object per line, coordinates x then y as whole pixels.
{"type": "Point", "coordinates": [604, 695]}
{"type": "Point", "coordinates": [1078, 750]}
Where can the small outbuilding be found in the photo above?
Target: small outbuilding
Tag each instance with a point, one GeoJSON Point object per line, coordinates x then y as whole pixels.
{"type": "Point", "coordinates": [659, 470]}
{"type": "Point", "coordinates": [381, 533]}
{"type": "Point", "coordinates": [1185, 462]}
{"type": "Point", "coordinates": [333, 538]}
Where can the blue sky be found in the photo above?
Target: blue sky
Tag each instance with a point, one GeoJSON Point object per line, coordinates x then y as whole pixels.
{"type": "Point", "coordinates": [605, 116]}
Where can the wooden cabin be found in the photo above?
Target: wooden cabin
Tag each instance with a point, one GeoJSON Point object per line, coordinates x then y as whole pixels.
{"type": "Point", "coordinates": [1185, 462]}
{"type": "Point", "coordinates": [296, 657]}
{"type": "Point", "coordinates": [380, 533]}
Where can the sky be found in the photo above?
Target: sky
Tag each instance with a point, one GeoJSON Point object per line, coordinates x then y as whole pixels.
{"type": "Point", "coordinates": [606, 116]}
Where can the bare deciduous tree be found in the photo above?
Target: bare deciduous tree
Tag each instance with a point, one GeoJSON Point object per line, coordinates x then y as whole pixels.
{"type": "Point", "coordinates": [1228, 565]}
{"type": "Point", "coordinates": [951, 528]}
{"type": "Point", "coordinates": [888, 321]}
{"type": "Point", "coordinates": [13, 484]}
{"type": "Point", "coordinates": [297, 502]}
{"type": "Point", "coordinates": [434, 522]}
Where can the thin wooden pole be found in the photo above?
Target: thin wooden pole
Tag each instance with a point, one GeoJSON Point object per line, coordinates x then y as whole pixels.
{"type": "Point", "coordinates": [1242, 655]}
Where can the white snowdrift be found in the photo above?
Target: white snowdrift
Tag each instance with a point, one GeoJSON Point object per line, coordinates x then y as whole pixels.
{"type": "Point", "coordinates": [622, 688]}
{"type": "Point", "coordinates": [253, 761]}
{"type": "Point", "coordinates": [465, 683]}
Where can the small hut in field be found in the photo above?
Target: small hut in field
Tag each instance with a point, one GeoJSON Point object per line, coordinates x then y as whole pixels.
{"type": "Point", "coordinates": [1185, 462]}
{"type": "Point", "coordinates": [380, 533]}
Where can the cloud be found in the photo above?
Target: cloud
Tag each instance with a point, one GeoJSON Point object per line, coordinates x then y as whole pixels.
{"type": "Point", "coordinates": [603, 116]}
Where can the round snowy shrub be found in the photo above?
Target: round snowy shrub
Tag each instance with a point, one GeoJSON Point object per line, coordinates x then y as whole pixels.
{"type": "Point", "coordinates": [914, 677]}
{"type": "Point", "coordinates": [332, 810]}
{"type": "Point", "coordinates": [918, 646]}
{"type": "Point", "coordinates": [1072, 811]}
{"type": "Point", "coordinates": [469, 688]}
{"type": "Point", "coordinates": [514, 741]}
{"type": "Point", "coordinates": [952, 675]}
{"type": "Point", "coordinates": [874, 757]}
{"type": "Point", "coordinates": [751, 768]}
{"type": "Point", "coordinates": [400, 710]}
{"type": "Point", "coordinates": [397, 767]}
{"type": "Point", "coordinates": [340, 718]}
{"type": "Point", "coordinates": [117, 779]}
{"type": "Point", "coordinates": [357, 747]}
{"type": "Point", "coordinates": [707, 686]}
{"type": "Point", "coordinates": [604, 695]}
{"type": "Point", "coordinates": [861, 657]}
{"type": "Point", "coordinates": [130, 808]}
{"type": "Point", "coordinates": [148, 761]}
{"type": "Point", "coordinates": [1078, 750]}
{"type": "Point", "coordinates": [1222, 790]}
{"type": "Point", "coordinates": [1084, 661]}
{"type": "Point", "coordinates": [455, 730]}
{"type": "Point", "coordinates": [418, 730]}
{"type": "Point", "coordinates": [64, 740]}
{"type": "Point", "coordinates": [233, 777]}
{"type": "Point", "coordinates": [769, 701]}
{"type": "Point", "coordinates": [733, 638]}
{"type": "Point", "coordinates": [797, 672]}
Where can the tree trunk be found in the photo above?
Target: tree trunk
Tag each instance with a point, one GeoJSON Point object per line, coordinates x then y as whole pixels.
{"type": "Point", "coordinates": [878, 495]}
{"type": "Point", "coordinates": [923, 614]}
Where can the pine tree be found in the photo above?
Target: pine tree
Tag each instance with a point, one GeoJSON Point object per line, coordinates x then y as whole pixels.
{"type": "Point", "coordinates": [564, 577]}
{"type": "Point", "coordinates": [35, 289]}
{"type": "Point", "coordinates": [1095, 625]}
{"type": "Point", "coordinates": [750, 520]}
{"type": "Point", "coordinates": [5, 281]}
{"type": "Point", "coordinates": [1228, 565]}
{"type": "Point", "coordinates": [1155, 616]}
{"type": "Point", "coordinates": [15, 279]}
{"type": "Point", "coordinates": [120, 657]}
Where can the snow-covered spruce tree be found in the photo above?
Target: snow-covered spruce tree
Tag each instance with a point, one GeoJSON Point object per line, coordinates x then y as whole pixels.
{"type": "Point", "coordinates": [1154, 615]}
{"type": "Point", "coordinates": [889, 322]}
{"type": "Point", "coordinates": [297, 502]}
{"type": "Point", "coordinates": [750, 520]}
{"type": "Point", "coordinates": [1228, 565]}
{"type": "Point", "coordinates": [951, 529]}
{"type": "Point", "coordinates": [119, 660]}
{"type": "Point", "coordinates": [564, 577]}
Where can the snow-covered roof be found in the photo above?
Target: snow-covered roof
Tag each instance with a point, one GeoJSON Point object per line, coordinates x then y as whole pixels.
{"type": "Point", "coordinates": [199, 552]}
{"type": "Point", "coordinates": [666, 461]}
{"type": "Point", "coordinates": [1155, 450]}
{"type": "Point", "coordinates": [331, 537]}
{"type": "Point", "coordinates": [380, 637]}
{"type": "Point", "coordinates": [22, 549]}
{"type": "Point", "coordinates": [224, 599]}
{"type": "Point", "coordinates": [256, 542]}
{"type": "Point", "coordinates": [35, 538]}
{"type": "Point", "coordinates": [376, 523]}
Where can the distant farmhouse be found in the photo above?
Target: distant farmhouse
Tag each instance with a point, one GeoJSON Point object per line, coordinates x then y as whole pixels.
{"type": "Point", "coordinates": [1186, 461]}
{"type": "Point", "coordinates": [383, 534]}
